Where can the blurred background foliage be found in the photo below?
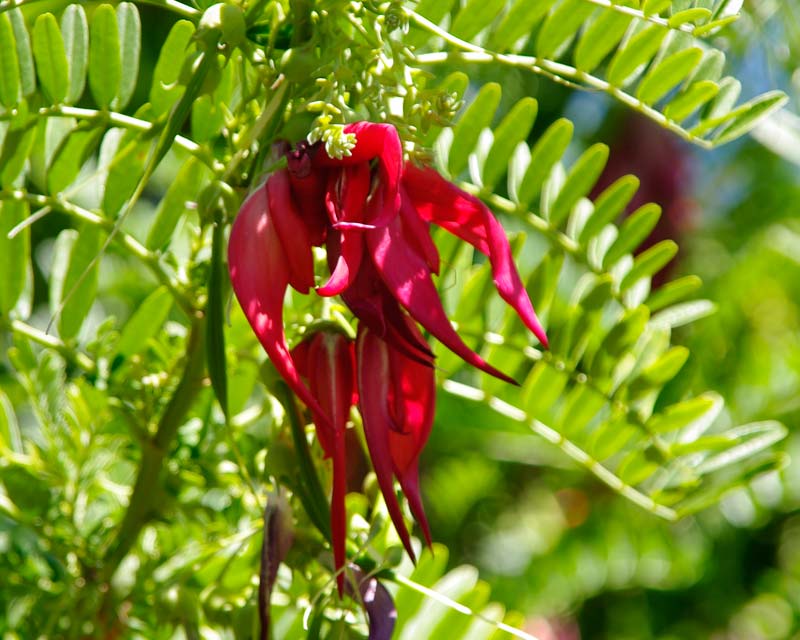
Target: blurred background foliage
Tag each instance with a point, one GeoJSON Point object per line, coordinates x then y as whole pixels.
{"type": "Point", "coordinates": [548, 540]}
{"type": "Point", "coordinates": [595, 568]}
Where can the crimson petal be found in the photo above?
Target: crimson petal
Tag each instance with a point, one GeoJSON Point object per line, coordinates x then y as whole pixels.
{"type": "Point", "coordinates": [291, 230]}
{"type": "Point", "coordinates": [330, 363]}
{"type": "Point", "coordinates": [345, 202]}
{"type": "Point", "coordinates": [373, 141]}
{"type": "Point", "coordinates": [414, 404]}
{"type": "Point", "coordinates": [260, 275]}
{"type": "Point", "coordinates": [465, 216]}
{"type": "Point", "coordinates": [372, 355]}
{"type": "Point", "coordinates": [408, 278]}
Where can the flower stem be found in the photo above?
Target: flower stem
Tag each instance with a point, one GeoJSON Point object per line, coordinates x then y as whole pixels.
{"type": "Point", "coordinates": [311, 494]}
{"type": "Point", "coordinates": [146, 497]}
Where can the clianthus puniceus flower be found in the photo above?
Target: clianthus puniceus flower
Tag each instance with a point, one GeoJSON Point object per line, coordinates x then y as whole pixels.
{"type": "Point", "coordinates": [372, 211]}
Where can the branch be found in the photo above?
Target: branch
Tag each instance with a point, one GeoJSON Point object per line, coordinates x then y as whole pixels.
{"type": "Point", "coordinates": [146, 497]}
{"type": "Point", "coordinates": [126, 241]}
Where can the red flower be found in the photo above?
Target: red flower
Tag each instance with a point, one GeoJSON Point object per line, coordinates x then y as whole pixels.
{"type": "Point", "coordinates": [326, 360]}
{"type": "Point", "coordinates": [373, 213]}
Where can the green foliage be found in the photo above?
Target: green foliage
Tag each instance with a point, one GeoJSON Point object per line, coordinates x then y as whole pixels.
{"type": "Point", "coordinates": [141, 430]}
{"type": "Point", "coordinates": [655, 58]}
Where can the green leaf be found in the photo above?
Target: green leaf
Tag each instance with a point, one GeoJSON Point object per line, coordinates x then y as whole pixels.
{"type": "Point", "coordinates": [51, 59]}
{"type": "Point", "coordinates": [9, 65]}
{"type": "Point", "coordinates": [602, 37]}
{"type": "Point", "coordinates": [182, 190]}
{"type": "Point", "coordinates": [542, 389]}
{"type": "Point", "coordinates": [684, 313]}
{"type": "Point", "coordinates": [668, 74]}
{"type": "Point", "coordinates": [581, 405]}
{"type": "Point", "coordinates": [631, 59]}
{"type": "Point", "coordinates": [15, 254]}
{"type": "Point", "coordinates": [694, 15]}
{"type": "Point", "coordinates": [690, 100]}
{"type": "Point", "coordinates": [680, 415]}
{"type": "Point", "coordinates": [130, 36]}
{"type": "Point", "coordinates": [145, 323]}
{"type": "Point", "coordinates": [71, 155]}
{"type": "Point", "coordinates": [632, 232]}
{"type": "Point", "coordinates": [545, 153]}
{"type": "Point", "coordinates": [747, 115]}
{"type": "Point", "coordinates": [129, 154]}
{"type": "Point", "coordinates": [27, 72]}
{"type": "Point", "coordinates": [635, 468]}
{"type": "Point", "coordinates": [750, 439]}
{"type": "Point", "coordinates": [75, 30]}
{"type": "Point", "coordinates": [17, 145]}
{"type": "Point", "coordinates": [466, 132]}
{"type": "Point", "coordinates": [71, 283]}
{"type": "Point", "coordinates": [624, 334]}
{"type": "Point", "coordinates": [165, 90]}
{"type": "Point", "coordinates": [715, 25]}
{"type": "Point", "coordinates": [608, 206]}
{"type": "Point", "coordinates": [561, 26]}
{"type": "Point", "coordinates": [663, 369]}
{"type": "Point", "coordinates": [710, 67]}
{"type": "Point", "coordinates": [673, 292]}
{"type": "Point", "coordinates": [518, 22]}
{"type": "Point", "coordinates": [649, 262]}
{"type": "Point", "coordinates": [654, 7]}
{"type": "Point", "coordinates": [728, 94]}
{"type": "Point", "coordinates": [215, 313]}
{"type": "Point", "coordinates": [475, 17]}
{"type": "Point", "coordinates": [10, 434]}
{"type": "Point", "coordinates": [580, 180]}
{"type": "Point", "coordinates": [514, 128]}
{"type": "Point", "coordinates": [105, 56]}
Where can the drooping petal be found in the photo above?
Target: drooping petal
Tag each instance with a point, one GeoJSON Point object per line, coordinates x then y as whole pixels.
{"type": "Point", "coordinates": [465, 216]}
{"type": "Point", "coordinates": [418, 232]}
{"type": "Point", "coordinates": [259, 272]}
{"type": "Point", "coordinates": [308, 185]}
{"type": "Point", "coordinates": [408, 278]}
{"type": "Point", "coordinates": [330, 369]}
{"type": "Point", "coordinates": [373, 304]}
{"type": "Point", "coordinates": [372, 357]}
{"type": "Point", "coordinates": [413, 400]}
{"type": "Point", "coordinates": [291, 230]}
{"type": "Point", "coordinates": [345, 201]}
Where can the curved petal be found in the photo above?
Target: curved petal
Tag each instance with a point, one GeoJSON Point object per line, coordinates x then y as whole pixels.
{"type": "Point", "coordinates": [345, 201]}
{"type": "Point", "coordinates": [259, 273]}
{"type": "Point", "coordinates": [381, 142]}
{"type": "Point", "coordinates": [418, 231]}
{"type": "Point", "coordinates": [332, 380]}
{"type": "Point", "coordinates": [372, 356]}
{"type": "Point", "coordinates": [414, 401]}
{"type": "Point", "coordinates": [308, 188]}
{"type": "Point", "coordinates": [346, 249]}
{"type": "Point", "coordinates": [465, 216]}
{"type": "Point", "coordinates": [291, 230]}
{"type": "Point", "coordinates": [373, 304]}
{"type": "Point", "coordinates": [409, 280]}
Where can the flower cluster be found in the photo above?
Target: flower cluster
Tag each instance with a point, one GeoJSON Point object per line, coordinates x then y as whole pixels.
{"type": "Point", "coordinates": [372, 211]}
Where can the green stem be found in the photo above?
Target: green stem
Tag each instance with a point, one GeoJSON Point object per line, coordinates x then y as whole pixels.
{"type": "Point", "coordinates": [556, 71]}
{"type": "Point", "coordinates": [146, 497]}
{"type": "Point", "coordinates": [112, 118]}
{"type": "Point", "coordinates": [301, 20]}
{"type": "Point", "coordinates": [51, 342]}
{"type": "Point", "coordinates": [312, 496]}
{"type": "Point", "coordinates": [128, 242]}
